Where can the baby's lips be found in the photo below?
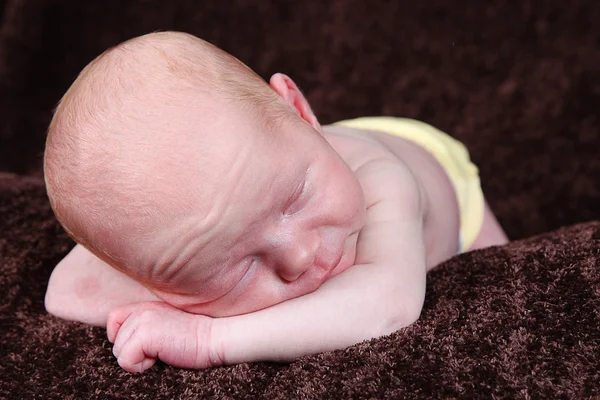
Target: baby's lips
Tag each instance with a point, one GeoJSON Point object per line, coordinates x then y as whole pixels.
{"type": "Point", "coordinates": [334, 253]}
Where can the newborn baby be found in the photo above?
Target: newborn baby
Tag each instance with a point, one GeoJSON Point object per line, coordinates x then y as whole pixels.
{"type": "Point", "coordinates": [217, 222]}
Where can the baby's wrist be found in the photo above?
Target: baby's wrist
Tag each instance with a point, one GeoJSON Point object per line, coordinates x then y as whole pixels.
{"type": "Point", "coordinates": [234, 340]}
{"type": "Point", "coordinates": [212, 336]}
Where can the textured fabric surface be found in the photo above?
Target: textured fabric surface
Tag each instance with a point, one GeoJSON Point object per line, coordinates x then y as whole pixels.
{"type": "Point", "coordinates": [517, 82]}
{"type": "Point", "coordinates": [515, 321]}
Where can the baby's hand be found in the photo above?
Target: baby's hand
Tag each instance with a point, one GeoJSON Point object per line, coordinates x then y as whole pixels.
{"type": "Point", "coordinates": [145, 332]}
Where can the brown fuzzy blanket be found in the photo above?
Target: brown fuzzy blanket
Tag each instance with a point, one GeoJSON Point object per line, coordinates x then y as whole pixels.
{"type": "Point", "coordinates": [517, 82]}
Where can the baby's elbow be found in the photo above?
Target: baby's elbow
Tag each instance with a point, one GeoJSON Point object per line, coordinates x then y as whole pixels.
{"type": "Point", "coordinates": [409, 314]}
{"type": "Point", "coordinates": [70, 308]}
{"type": "Point", "coordinates": [49, 304]}
{"type": "Point", "coordinates": [55, 301]}
{"type": "Point", "coordinates": [54, 305]}
{"type": "Point", "coordinates": [62, 302]}
{"type": "Point", "coordinates": [401, 315]}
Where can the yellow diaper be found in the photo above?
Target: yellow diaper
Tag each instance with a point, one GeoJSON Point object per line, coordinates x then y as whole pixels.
{"type": "Point", "coordinates": [452, 156]}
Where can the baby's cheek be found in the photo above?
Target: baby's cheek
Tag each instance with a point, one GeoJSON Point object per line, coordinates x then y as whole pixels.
{"type": "Point", "coordinates": [257, 290]}
{"type": "Point", "coordinates": [268, 289]}
{"type": "Point", "coordinates": [261, 289]}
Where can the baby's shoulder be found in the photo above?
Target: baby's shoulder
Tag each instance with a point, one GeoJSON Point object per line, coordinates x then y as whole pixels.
{"type": "Point", "coordinates": [383, 175]}
{"type": "Point", "coordinates": [355, 146]}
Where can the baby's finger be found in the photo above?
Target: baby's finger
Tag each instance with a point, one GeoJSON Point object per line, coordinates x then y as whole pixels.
{"type": "Point", "coordinates": [115, 320]}
{"type": "Point", "coordinates": [126, 332]}
{"type": "Point", "coordinates": [133, 357]}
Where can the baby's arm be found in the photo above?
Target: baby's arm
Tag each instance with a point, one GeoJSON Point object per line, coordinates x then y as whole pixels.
{"type": "Point", "coordinates": [84, 288]}
{"type": "Point", "coordinates": [381, 294]}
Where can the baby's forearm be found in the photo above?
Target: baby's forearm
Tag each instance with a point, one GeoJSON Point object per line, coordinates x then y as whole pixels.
{"type": "Point", "coordinates": [364, 302]}
{"type": "Point", "coordinates": [368, 300]}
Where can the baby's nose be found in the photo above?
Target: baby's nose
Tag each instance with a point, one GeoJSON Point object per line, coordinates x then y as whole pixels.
{"type": "Point", "coordinates": [297, 257]}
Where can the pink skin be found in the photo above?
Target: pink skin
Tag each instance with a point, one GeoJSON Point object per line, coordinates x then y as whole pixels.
{"type": "Point", "coordinates": [296, 224]}
{"type": "Point", "coordinates": [283, 218]}
{"type": "Point", "coordinates": [139, 340]}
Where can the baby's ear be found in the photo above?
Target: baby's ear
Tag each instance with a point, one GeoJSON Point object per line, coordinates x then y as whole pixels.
{"type": "Point", "coordinates": [285, 87]}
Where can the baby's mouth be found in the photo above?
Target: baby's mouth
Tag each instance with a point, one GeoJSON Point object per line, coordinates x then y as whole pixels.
{"type": "Point", "coordinates": [327, 263]}
{"type": "Point", "coordinates": [347, 255]}
{"type": "Point", "coordinates": [338, 259]}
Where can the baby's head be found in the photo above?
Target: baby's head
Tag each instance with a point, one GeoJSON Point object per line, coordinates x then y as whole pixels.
{"type": "Point", "coordinates": [173, 162]}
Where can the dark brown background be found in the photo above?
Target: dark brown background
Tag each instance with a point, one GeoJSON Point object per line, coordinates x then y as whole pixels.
{"type": "Point", "coordinates": [517, 81]}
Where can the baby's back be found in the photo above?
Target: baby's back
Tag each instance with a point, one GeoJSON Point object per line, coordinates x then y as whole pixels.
{"type": "Point", "coordinates": [441, 222]}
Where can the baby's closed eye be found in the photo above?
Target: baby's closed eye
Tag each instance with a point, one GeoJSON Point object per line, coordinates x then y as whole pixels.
{"type": "Point", "coordinates": [293, 205]}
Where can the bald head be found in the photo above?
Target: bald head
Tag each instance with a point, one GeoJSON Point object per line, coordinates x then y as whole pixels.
{"type": "Point", "coordinates": [137, 124]}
